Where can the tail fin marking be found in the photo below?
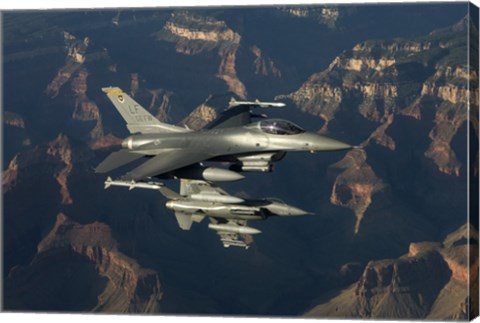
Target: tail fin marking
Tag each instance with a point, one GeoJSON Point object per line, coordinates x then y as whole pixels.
{"type": "Point", "coordinates": [138, 119]}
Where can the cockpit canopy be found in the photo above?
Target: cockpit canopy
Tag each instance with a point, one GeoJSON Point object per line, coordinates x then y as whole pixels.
{"type": "Point", "coordinates": [280, 127]}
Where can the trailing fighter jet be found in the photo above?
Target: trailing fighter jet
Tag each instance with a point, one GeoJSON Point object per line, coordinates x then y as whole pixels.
{"type": "Point", "coordinates": [178, 152]}
{"type": "Point", "coordinates": [228, 214]}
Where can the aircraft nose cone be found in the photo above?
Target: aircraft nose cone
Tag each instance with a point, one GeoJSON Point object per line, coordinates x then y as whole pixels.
{"type": "Point", "coordinates": [281, 209]}
{"type": "Point", "coordinates": [297, 211]}
{"type": "Point", "coordinates": [323, 143]}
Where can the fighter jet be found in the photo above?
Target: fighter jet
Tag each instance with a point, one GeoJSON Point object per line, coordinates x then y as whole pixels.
{"type": "Point", "coordinates": [228, 214]}
{"type": "Point", "coordinates": [178, 152]}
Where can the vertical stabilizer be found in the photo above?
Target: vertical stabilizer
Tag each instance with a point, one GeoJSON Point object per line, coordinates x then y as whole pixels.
{"type": "Point", "coordinates": [138, 119]}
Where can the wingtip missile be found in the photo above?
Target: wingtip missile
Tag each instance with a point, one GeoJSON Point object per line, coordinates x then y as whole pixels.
{"type": "Point", "coordinates": [132, 184]}
{"type": "Point", "coordinates": [257, 103]}
{"type": "Point", "coordinates": [108, 182]}
{"type": "Point", "coordinates": [273, 104]}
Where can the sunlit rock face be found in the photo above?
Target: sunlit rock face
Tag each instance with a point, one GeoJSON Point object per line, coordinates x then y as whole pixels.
{"type": "Point", "coordinates": [380, 83]}
{"type": "Point", "coordinates": [329, 16]}
{"type": "Point", "coordinates": [355, 185]}
{"type": "Point", "coordinates": [430, 281]}
{"type": "Point", "coordinates": [57, 155]}
{"type": "Point", "coordinates": [194, 34]}
{"type": "Point", "coordinates": [75, 50]}
{"type": "Point", "coordinates": [373, 74]}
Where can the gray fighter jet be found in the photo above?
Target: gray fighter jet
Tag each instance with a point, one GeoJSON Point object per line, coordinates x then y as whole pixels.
{"type": "Point", "coordinates": [228, 214]}
{"type": "Point", "coordinates": [178, 152]}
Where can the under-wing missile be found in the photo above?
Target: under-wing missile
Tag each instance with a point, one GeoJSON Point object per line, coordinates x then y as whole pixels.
{"type": "Point", "coordinates": [132, 184]}
{"type": "Point", "coordinates": [233, 228]}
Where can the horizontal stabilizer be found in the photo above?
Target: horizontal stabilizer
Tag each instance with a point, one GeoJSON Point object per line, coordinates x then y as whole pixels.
{"type": "Point", "coordinates": [165, 162]}
{"type": "Point", "coordinates": [169, 194]}
{"type": "Point", "coordinates": [115, 160]}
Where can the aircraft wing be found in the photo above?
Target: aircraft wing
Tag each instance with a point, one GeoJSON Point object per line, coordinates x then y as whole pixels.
{"type": "Point", "coordinates": [239, 113]}
{"type": "Point", "coordinates": [165, 162]}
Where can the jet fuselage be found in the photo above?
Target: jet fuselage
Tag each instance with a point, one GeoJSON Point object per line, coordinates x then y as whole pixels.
{"type": "Point", "coordinates": [249, 210]}
{"type": "Point", "coordinates": [249, 139]}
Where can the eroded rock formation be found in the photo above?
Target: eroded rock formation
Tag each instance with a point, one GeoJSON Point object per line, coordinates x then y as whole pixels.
{"type": "Point", "coordinates": [355, 184]}
{"type": "Point", "coordinates": [193, 34]}
{"type": "Point", "coordinates": [13, 119]}
{"type": "Point", "coordinates": [431, 281]}
{"type": "Point", "coordinates": [372, 76]}
{"type": "Point", "coordinates": [122, 285]}
{"type": "Point", "coordinates": [76, 50]}
{"type": "Point", "coordinates": [264, 65]}
{"type": "Point", "coordinates": [328, 15]}
{"type": "Point", "coordinates": [55, 158]}
{"type": "Point", "coordinates": [199, 117]}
